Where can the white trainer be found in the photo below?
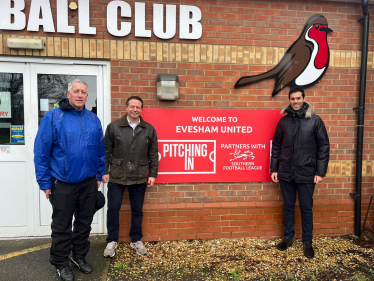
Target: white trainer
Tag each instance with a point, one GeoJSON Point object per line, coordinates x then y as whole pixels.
{"type": "Point", "coordinates": [139, 247]}
{"type": "Point", "coordinates": [110, 249]}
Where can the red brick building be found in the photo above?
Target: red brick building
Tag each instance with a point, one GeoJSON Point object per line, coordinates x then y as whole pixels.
{"type": "Point", "coordinates": [239, 38]}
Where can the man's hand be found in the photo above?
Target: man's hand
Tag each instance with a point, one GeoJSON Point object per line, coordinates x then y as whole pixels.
{"type": "Point", "coordinates": [47, 193]}
{"type": "Point", "coordinates": [151, 181]}
{"type": "Point", "coordinates": [98, 184]}
{"type": "Point", "coordinates": [317, 179]}
{"type": "Point", "coordinates": [105, 178]}
{"type": "Point", "coordinates": [274, 177]}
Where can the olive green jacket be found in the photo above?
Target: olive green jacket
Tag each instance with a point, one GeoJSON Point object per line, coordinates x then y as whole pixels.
{"type": "Point", "coordinates": [131, 155]}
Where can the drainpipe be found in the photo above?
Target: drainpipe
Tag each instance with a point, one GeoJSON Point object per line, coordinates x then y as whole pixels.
{"type": "Point", "coordinates": [361, 113]}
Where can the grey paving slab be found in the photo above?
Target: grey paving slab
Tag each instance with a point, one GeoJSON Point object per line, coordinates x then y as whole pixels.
{"type": "Point", "coordinates": [35, 265]}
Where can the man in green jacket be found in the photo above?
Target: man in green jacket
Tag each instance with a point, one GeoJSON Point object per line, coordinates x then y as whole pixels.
{"type": "Point", "coordinates": [131, 151]}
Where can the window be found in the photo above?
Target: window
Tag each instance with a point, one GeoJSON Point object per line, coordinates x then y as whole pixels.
{"type": "Point", "coordinates": [11, 109]}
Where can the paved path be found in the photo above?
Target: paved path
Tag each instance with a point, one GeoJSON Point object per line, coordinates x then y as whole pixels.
{"type": "Point", "coordinates": [27, 259]}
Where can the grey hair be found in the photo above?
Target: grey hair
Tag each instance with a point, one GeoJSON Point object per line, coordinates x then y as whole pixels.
{"type": "Point", "coordinates": [76, 81]}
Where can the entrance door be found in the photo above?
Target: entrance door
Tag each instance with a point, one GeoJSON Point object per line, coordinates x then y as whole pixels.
{"type": "Point", "coordinates": [16, 142]}
{"type": "Point", "coordinates": [28, 91]}
{"type": "Point", "coordinates": [49, 84]}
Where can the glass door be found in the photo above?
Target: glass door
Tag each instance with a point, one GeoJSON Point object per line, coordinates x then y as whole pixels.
{"type": "Point", "coordinates": [16, 167]}
{"type": "Point", "coordinates": [29, 88]}
{"type": "Point", "coordinates": [53, 87]}
{"type": "Point", "coordinates": [49, 85]}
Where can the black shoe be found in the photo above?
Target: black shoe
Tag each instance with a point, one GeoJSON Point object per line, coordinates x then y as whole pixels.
{"type": "Point", "coordinates": [308, 250]}
{"type": "Point", "coordinates": [66, 274]}
{"type": "Point", "coordinates": [84, 266]}
{"type": "Point", "coordinates": [284, 244]}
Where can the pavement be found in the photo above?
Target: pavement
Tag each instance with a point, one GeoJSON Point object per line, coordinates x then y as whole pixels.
{"type": "Point", "coordinates": [28, 259]}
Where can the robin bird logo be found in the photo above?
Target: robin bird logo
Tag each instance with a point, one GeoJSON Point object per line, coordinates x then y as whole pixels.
{"type": "Point", "coordinates": [304, 63]}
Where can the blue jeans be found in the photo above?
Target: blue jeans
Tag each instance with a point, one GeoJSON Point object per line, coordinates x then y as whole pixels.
{"type": "Point", "coordinates": [115, 194]}
{"type": "Point", "coordinates": [305, 192]}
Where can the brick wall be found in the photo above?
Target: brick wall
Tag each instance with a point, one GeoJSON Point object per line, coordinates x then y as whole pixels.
{"type": "Point", "coordinates": [239, 39]}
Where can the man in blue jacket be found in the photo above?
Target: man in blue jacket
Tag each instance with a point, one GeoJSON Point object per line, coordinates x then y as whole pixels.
{"type": "Point", "coordinates": [69, 157]}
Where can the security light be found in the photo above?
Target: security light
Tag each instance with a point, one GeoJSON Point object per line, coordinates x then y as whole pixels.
{"type": "Point", "coordinates": [167, 87]}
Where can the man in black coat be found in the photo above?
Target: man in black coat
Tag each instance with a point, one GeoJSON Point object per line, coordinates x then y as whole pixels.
{"type": "Point", "coordinates": [299, 160]}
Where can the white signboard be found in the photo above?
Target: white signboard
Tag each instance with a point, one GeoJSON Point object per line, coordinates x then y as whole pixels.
{"type": "Point", "coordinates": [5, 105]}
{"type": "Point", "coordinates": [44, 105]}
{"type": "Point", "coordinates": [12, 17]}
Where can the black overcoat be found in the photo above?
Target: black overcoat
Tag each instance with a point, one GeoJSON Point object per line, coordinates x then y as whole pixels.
{"type": "Point", "coordinates": [300, 146]}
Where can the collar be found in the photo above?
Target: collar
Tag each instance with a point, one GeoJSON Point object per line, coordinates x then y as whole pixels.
{"type": "Point", "coordinates": [133, 125]}
{"type": "Point", "coordinates": [306, 112]}
{"type": "Point", "coordinates": [124, 121]}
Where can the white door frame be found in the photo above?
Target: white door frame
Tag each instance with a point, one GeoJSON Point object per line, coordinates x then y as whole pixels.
{"type": "Point", "coordinates": [19, 154]}
{"type": "Point", "coordinates": [103, 98]}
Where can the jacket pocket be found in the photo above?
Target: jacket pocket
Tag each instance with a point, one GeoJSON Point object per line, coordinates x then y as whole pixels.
{"type": "Point", "coordinates": [118, 141]}
{"type": "Point", "coordinates": [143, 168]}
{"type": "Point", "coordinates": [116, 168]}
{"type": "Point", "coordinates": [312, 162]}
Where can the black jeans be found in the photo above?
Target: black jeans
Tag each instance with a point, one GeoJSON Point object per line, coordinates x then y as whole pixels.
{"type": "Point", "coordinates": [68, 199]}
{"type": "Point", "coordinates": [305, 192]}
{"type": "Point", "coordinates": [115, 194]}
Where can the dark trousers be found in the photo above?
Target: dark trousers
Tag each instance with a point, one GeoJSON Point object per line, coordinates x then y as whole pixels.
{"type": "Point", "coordinates": [70, 199]}
{"type": "Point", "coordinates": [305, 192]}
{"type": "Point", "coordinates": [136, 195]}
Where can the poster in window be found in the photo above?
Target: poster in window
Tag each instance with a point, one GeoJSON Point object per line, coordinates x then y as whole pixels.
{"type": "Point", "coordinates": [5, 105]}
{"type": "Point", "coordinates": [17, 134]}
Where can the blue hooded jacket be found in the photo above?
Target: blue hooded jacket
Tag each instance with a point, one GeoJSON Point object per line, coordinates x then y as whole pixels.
{"type": "Point", "coordinates": [69, 146]}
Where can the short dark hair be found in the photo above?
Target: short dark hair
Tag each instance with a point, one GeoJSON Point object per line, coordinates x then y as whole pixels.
{"type": "Point", "coordinates": [295, 90]}
{"type": "Point", "coordinates": [134, 98]}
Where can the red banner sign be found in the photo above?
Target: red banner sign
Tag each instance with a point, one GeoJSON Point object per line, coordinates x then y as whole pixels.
{"type": "Point", "coordinates": [213, 145]}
